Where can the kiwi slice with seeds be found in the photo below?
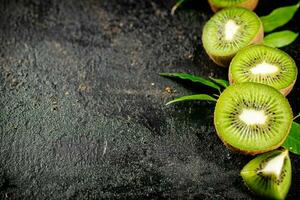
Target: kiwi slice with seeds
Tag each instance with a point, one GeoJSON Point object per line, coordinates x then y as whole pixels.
{"type": "Point", "coordinates": [269, 175]}
{"type": "Point", "coordinates": [220, 4]}
{"type": "Point", "coordinates": [265, 65]}
{"type": "Point", "coordinates": [230, 30]}
{"type": "Point", "coordinates": [252, 118]}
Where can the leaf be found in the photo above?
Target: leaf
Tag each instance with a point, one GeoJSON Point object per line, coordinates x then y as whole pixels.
{"type": "Point", "coordinates": [196, 97]}
{"type": "Point", "coordinates": [292, 143]}
{"type": "Point", "coordinates": [280, 39]}
{"type": "Point", "coordinates": [221, 82]}
{"type": "Point", "coordinates": [178, 3]}
{"type": "Point", "coordinates": [279, 17]}
{"type": "Point", "coordinates": [192, 78]}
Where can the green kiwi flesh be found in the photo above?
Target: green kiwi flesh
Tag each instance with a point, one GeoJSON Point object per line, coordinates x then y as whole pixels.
{"type": "Point", "coordinates": [252, 118]}
{"type": "Point", "coordinates": [230, 30]}
{"type": "Point", "coordinates": [269, 175]}
{"type": "Point", "coordinates": [220, 4]}
{"type": "Point", "coordinates": [265, 65]}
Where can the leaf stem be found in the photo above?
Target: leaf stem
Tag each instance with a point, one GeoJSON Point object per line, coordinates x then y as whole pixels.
{"type": "Point", "coordinates": [297, 116]}
{"type": "Point", "coordinates": [174, 8]}
{"type": "Point", "coordinates": [216, 95]}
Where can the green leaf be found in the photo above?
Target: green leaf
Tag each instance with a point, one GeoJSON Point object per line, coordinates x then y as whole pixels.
{"type": "Point", "coordinates": [196, 97]}
{"type": "Point", "coordinates": [221, 82]}
{"type": "Point", "coordinates": [279, 17]}
{"type": "Point", "coordinates": [280, 39]}
{"type": "Point", "coordinates": [178, 3]}
{"type": "Point", "coordinates": [292, 143]}
{"type": "Point", "coordinates": [192, 78]}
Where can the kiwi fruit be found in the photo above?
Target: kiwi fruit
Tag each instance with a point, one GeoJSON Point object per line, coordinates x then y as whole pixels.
{"type": "Point", "coordinates": [269, 175]}
{"type": "Point", "coordinates": [262, 64]}
{"type": "Point", "coordinates": [230, 30]}
{"type": "Point", "coordinates": [217, 5]}
{"type": "Point", "coordinates": [252, 118]}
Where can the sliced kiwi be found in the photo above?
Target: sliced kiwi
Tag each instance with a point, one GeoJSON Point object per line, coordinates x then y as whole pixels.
{"type": "Point", "coordinates": [220, 4]}
{"type": "Point", "coordinates": [265, 65]}
{"type": "Point", "coordinates": [269, 175]}
{"type": "Point", "coordinates": [230, 30]}
{"type": "Point", "coordinates": [252, 118]}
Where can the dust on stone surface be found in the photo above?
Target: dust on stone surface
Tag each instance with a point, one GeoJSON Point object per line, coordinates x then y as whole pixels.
{"type": "Point", "coordinates": [82, 105]}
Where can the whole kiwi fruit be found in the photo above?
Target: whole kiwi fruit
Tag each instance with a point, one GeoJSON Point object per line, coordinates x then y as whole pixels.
{"type": "Point", "coordinates": [252, 118]}
{"type": "Point", "coordinates": [269, 175]}
{"type": "Point", "coordinates": [262, 64]}
{"type": "Point", "coordinates": [230, 30]}
{"type": "Point", "coordinates": [217, 5]}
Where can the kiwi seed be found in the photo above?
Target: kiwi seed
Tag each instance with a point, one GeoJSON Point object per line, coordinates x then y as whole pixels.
{"type": "Point", "coordinates": [264, 65]}
{"type": "Point", "coordinates": [269, 175]}
{"type": "Point", "coordinates": [230, 30]}
{"type": "Point", "coordinates": [217, 5]}
{"type": "Point", "coordinates": [252, 118]}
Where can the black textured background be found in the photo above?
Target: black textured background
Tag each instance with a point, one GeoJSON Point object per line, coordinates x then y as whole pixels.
{"type": "Point", "coordinates": [82, 105]}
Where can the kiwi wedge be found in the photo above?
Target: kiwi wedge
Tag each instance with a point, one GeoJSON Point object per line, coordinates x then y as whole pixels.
{"type": "Point", "coordinates": [252, 118]}
{"type": "Point", "coordinates": [269, 175]}
{"type": "Point", "coordinates": [220, 4]}
{"type": "Point", "coordinates": [265, 65]}
{"type": "Point", "coordinates": [230, 30]}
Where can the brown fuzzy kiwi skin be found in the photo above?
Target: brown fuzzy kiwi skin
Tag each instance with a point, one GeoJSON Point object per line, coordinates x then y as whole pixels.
{"type": "Point", "coordinates": [287, 90]}
{"type": "Point", "coordinates": [224, 61]}
{"type": "Point", "coordinates": [252, 153]}
{"type": "Point", "coordinates": [250, 4]}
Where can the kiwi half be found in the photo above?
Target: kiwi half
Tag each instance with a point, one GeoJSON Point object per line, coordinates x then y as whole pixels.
{"type": "Point", "coordinates": [269, 175]}
{"type": "Point", "coordinates": [230, 30]}
{"type": "Point", "coordinates": [220, 4]}
{"type": "Point", "coordinates": [252, 118]}
{"type": "Point", "coordinates": [265, 65]}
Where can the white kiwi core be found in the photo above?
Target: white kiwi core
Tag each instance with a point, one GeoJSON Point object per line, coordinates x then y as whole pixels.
{"type": "Point", "coordinates": [264, 68]}
{"type": "Point", "coordinates": [275, 165]}
{"type": "Point", "coordinates": [231, 29]}
{"type": "Point", "coordinates": [253, 117]}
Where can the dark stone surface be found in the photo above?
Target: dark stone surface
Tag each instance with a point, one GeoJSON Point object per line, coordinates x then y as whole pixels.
{"type": "Point", "coordinates": [82, 105]}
